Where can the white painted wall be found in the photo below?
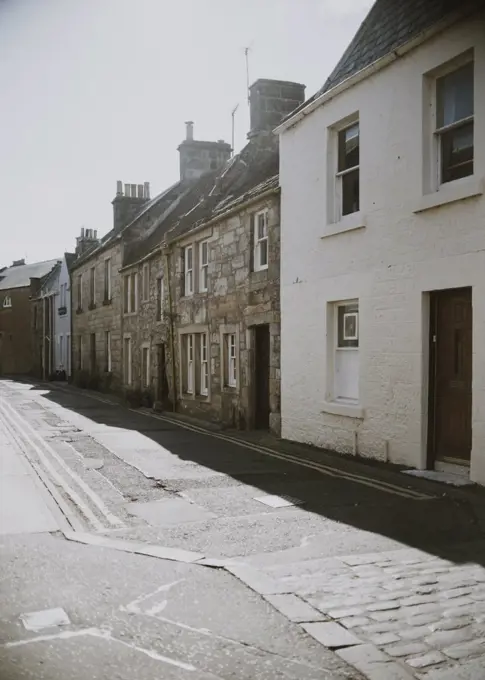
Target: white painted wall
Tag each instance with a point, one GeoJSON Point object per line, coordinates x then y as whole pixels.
{"type": "Point", "coordinates": [389, 265]}
{"type": "Point", "coordinates": [62, 324]}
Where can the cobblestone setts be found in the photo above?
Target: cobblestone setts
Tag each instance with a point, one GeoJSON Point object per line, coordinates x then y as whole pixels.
{"type": "Point", "coordinates": [427, 615]}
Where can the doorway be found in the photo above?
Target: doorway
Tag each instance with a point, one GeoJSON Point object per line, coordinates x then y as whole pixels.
{"type": "Point", "coordinates": [450, 383]}
{"type": "Point", "coordinates": [261, 377]}
{"type": "Point", "coordinates": [162, 381]}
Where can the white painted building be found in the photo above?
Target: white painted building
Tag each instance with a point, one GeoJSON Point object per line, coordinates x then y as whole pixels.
{"type": "Point", "coordinates": [383, 245]}
{"type": "Point", "coordinates": [55, 293]}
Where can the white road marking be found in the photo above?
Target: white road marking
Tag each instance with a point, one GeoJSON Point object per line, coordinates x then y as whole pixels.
{"type": "Point", "coordinates": [134, 605]}
{"type": "Point", "coordinates": [110, 517]}
{"type": "Point", "coordinates": [103, 635]}
{"type": "Point", "coordinates": [86, 511]}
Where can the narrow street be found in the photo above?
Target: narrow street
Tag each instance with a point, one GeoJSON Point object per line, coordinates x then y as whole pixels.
{"type": "Point", "coordinates": [139, 546]}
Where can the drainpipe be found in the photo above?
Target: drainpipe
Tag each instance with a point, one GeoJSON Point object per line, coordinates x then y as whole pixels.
{"type": "Point", "coordinates": [172, 339]}
{"type": "Point", "coordinates": [43, 337]}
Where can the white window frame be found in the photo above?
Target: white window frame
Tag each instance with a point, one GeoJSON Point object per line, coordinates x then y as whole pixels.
{"type": "Point", "coordinates": [107, 279]}
{"type": "Point", "coordinates": [203, 267]}
{"type": "Point", "coordinates": [92, 285]}
{"type": "Point", "coordinates": [188, 271]}
{"type": "Point", "coordinates": [259, 240]}
{"type": "Point", "coordinates": [231, 360]}
{"type": "Point", "coordinates": [7, 302]}
{"type": "Point", "coordinates": [146, 376]}
{"type": "Point", "coordinates": [107, 340]}
{"type": "Point", "coordinates": [190, 363]}
{"type": "Point", "coordinates": [131, 281]}
{"type": "Point", "coordinates": [337, 348]}
{"type": "Point", "coordinates": [146, 282]}
{"type": "Point", "coordinates": [340, 174]}
{"type": "Point", "coordinates": [204, 364]}
{"type": "Point", "coordinates": [439, 132]}
{"type": "Point", "coordinates": [80, 291]}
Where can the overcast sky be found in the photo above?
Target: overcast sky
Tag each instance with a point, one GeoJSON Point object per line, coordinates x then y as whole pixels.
{"type": "Point", "coordinates": [98, 90]}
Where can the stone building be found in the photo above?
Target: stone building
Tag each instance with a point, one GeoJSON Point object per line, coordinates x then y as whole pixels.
{"type": "Point", "coordinates": [208, 330]}
{"type": "Point", "coordinates": [16, 341]}
{"type": "Point", "coordinates": [105, 304]}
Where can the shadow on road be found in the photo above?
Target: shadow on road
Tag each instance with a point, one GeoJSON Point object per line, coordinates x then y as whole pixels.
{"type": "Point", "coordinates": [449, 524]}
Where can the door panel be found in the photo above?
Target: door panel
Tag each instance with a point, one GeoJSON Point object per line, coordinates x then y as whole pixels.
{"type": "Point", "coordinates": [261, 376]}
{"type": "Point", "coordinates": [451, 388]}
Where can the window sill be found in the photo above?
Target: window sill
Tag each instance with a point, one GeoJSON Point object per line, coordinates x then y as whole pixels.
{"type": "Point", "coordinates": [348, 223]}
{"type": "Point", "coordinates": [450, 193]}
{"type": "Point", "coordinates": [340, 408]}
{"type": "Point", "coordinates": [130, 313]}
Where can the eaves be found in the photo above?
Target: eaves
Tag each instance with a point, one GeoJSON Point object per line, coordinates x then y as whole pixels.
{"type": "Point", "coordinates": [370, 70]}
{"type": "Point", "coordinates": [224, 215]}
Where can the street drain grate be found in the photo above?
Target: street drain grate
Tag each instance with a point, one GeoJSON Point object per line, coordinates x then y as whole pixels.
{"type": "Point", "coordinates": [279, 501]}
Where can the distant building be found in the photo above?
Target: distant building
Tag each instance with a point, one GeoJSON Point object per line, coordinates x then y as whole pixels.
{"type": "Point", "coordinates": [16, 340]}
{"type": "Point", "coordinates": [51, 321]}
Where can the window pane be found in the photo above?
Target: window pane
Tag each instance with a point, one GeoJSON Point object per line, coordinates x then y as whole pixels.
{"type": "Point", "coordinates": [204, 253]}
{"type": "Point", "coordinates": [263, 253]}
{"type": "Point", "coordinates": [350, 192]}
{"type": "Point", "coordinates": [457, 153]}
{"type": "Point", "coordinates": [455, 96]}
{"type": "Point", "coordinates": [348, 325]}
{"type": "Point", "coordinates": [261, 225]}
{"type": "Point", "coordinates": [348, 148]}
{"type": "Point", "coordinates": [189, 258]}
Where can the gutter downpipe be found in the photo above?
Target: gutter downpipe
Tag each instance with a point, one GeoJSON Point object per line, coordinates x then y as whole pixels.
{"type": "Point", "coordinates": [172, 339]}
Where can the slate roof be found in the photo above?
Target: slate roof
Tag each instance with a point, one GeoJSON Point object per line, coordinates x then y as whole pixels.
{"type": "Point", "coordinates": [19, 277]}
{"type": "Point", "coordinates": [248, 174]}
{"type": "Point", "coordinates": [70, 258]}
{"type": "Point", "coordinates": [389, 25]}
{"type": "Point", "coordinates": [149, 211]}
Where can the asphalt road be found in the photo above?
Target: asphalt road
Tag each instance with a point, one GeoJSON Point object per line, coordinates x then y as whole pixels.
{"type": "Point", "coordinates": [261, 559]}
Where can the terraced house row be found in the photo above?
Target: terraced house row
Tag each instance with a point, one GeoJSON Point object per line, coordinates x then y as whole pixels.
{"type": "Point", "coordinates": [179, 302]}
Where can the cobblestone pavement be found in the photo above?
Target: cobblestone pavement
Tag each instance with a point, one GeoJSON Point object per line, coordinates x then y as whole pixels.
{"type": "Point", "coordinates": [386, 571]}
{"type": "Point", "coordinates": [405, 608]}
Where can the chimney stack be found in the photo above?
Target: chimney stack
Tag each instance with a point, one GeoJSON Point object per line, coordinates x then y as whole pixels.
{"type": "Point", "coordinates": [270, 101]}
{"type": "Point", "coordinates": [88, 238]}
{"type": "Point", "coordinates": [189, 130]}
{"type": "Point", "coordinates": [199, 157]}
{"type": "Point", "coordinates": [128, 202]}
{"type": "Point", "coordinates": [18, 263]}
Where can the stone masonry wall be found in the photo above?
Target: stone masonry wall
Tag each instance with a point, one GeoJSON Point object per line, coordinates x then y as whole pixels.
{"type": "Point", "coordinates": [103, 316]}
{"type": "Point", "coordinates": [238, 299]}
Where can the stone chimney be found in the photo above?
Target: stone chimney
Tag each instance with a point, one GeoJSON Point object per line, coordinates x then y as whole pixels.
{"type": "Point", "coordinates": [270, 101]}
{"type": "Point", "coordinates": [197, 157]}
{"type": "Point", "coordinates": [128, 202]}
{"type": "Point", "coordinates": [88, 238]}
{"type": "Point", "coordinates": [18, 263]}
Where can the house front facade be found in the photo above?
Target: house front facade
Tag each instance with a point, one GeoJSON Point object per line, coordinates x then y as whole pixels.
{"type": "Point", "coordinates": [17, 351]}
{"type": "Point", "coordinates": [383, 246]}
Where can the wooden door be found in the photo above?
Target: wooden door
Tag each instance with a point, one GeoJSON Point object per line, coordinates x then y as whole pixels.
{"type": "Point", "coordinates": [451, 376]}
{"type": "Point", "coordinates": [261, 376]}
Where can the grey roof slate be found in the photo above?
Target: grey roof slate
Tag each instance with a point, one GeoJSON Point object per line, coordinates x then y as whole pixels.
{"type": "Point", "coordinates": [19, 277]}
{"type": "Point", "coordinates": [389, 25]}
{"type": "Point", "coordinates": [245, 176]}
